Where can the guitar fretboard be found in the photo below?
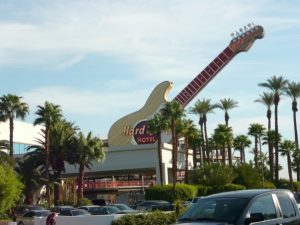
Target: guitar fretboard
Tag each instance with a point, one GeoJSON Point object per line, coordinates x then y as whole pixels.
{"type": "Point", "coordinates": [192, 89]}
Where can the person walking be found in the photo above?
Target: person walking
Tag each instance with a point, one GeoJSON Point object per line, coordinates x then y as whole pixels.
{"type": "Point", "coordinates": [51, 219]}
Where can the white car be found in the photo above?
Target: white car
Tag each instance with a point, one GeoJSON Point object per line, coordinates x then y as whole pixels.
{"type": "Point", "coordinates": [28, 217]}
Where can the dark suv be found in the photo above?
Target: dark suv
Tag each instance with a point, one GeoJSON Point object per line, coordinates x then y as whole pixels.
{"type": "Point", "coordinates": [261, 206]}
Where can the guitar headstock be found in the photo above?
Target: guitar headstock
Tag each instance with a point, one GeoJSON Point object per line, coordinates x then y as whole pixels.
{"type": "Point", "coordinates": [245, 37]}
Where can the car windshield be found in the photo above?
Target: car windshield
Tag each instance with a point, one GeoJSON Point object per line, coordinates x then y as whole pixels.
{"type": "Point", "coordinates": [215, 209]}
{"type": "Point", "coordinates": [122, 207]}
{"type": "Point", "coordinates": [79, 212]}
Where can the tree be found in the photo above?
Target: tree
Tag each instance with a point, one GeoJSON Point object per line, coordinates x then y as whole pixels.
{"type": "Point", "coordinates": [211, 174]}
{"type": "Point", "coordinates": [277, 86]}
{"type": "Point", "coordinates": [187, 127]}
{"type": "Point", "coordinates": [267, 99]}
{"type": "Point", "coordinates": [173, 111]}
{"type": "Point", "coordinates": [256, 130]}
{"type": "Point", "coordinates": [11, 107]}
{"type": "Point", "coordinates": [31, 176]}
{"type": "Point", "coordinates": [10, 188]}
{"type": "Point", "coordinates": [286, 148]}
{"type": "Point", "coordinates": [86, 150]}
{"type": "Point", "coordinates": [48, 115]}
{"type": "Point", "coordinates": [223, 136]}
{"type": "Point", "coordinates": [156, 125]}
{"type": "Point", "coordinates": [61, 134]}
{"type": "Point", "coordinates": [202, 108]}
{"type": "Point", "coordinates": [240, 143]}
{"type": "Point", "coordinates": [293, 91]}
{"type": "Point", "coordinates": [225, 105]}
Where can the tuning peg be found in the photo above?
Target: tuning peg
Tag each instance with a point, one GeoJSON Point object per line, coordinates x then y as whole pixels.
{"type": "Point", "coordinates": [249, 25]}
{"type": "Point", "coordinates": [245, 28]}
{"type": "Point", "coordinates": [237, 34]}
{"type": "Point", "coordinates": [241, 30]}
{"type": "Point", "coordinates": [232, 35]}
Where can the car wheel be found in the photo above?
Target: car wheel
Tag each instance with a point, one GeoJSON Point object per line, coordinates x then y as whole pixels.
{"type": "Point", "coordinates": [20, 223]}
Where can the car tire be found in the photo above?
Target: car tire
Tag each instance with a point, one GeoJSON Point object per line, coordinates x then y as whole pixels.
{"type": "Point", "coordinates": [20, 223]}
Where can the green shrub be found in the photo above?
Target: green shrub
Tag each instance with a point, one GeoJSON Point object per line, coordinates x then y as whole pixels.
{"type": "Point", "coordinates": [283, 184]}
{"type": "Point", "coordinates": [234, 187]}
{"type": "Point", "coordinates": [296, 186]}
{"type": "Point", "coordinates": [248, 176]}
{"type": "Point", "coordinates": [10, 188]}
{"type": "Point", "coordinates": [153, 218]}
{"type": "Point", "coordinates": [213, 174]}
{"type": "Point", "coordinates": [269, 185]}
{"type": "Point", "coordinates": [202, 190]}
{"type": "Point", "coordinates": [182, 192]}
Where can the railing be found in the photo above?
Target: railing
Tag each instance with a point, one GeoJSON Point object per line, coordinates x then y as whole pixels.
{"type": "Point", "coordinates": [117, 184]}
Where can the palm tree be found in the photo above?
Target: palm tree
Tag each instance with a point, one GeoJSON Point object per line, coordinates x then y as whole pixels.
{"type": "Point", "coordinates": [241, 142]}
{"type": "Point", "coordinates": [287, 148]}
{"type": "Point", "coordinates": [267, 99]}
{"type": "Point", "coordinates": [277, 86]}
{"type": "Point", "coordinates": [31, 176]}
{"type": "Point", "coordinates": [223, 136]}
{"type": "Point", "coordinates": [256, 130]}
{"type": "Point", "coordinates": [225, 105]}
{"type": "Point", "coordinates": [195, 143]}
{"type": "Point", "coordinates": [202, 108]}
{"type": "Point", "coordinates": [48, 115]}
{"type": "Point", "coordinates": [187, 127]}
{"type": "Point", "coordinates": [156, 125]}
{"type": "Point", "coordinates": [12, 107]}
{"type": "Point", "coordinates": [61, 134]}
{"type": "Point", "coordinates": [173, 111]}
{"type": "Point", "coordinates": [86, 149]}
{"type": "Point", "coordinates": [293, 91]}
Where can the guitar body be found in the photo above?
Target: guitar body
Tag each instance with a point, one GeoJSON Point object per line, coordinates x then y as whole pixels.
{"type": "Point", "coordinates": [121, 132]}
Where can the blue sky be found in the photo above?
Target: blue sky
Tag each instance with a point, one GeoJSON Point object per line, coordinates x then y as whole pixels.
{"type": "Point", "coordinates": [100, 60]}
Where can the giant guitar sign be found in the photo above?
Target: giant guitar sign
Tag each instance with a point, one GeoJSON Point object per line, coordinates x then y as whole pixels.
{"type": "Point", "coordinates": [132, 129]}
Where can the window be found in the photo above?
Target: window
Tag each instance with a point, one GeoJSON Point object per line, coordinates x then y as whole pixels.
{"type": "Point", "coordinates": [264, 205]}
{"type": "Point", "coordinates": [286, 205]}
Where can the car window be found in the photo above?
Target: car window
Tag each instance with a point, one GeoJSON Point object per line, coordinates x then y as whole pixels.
{"type": "Point", "coordinates": [216, 209]}
{"type": "Point", "coordinates": [286, 205]}
{"type": "Point", "coordinates": [264, 205]}
{"type": "Point", "coordinates": [29, 214]}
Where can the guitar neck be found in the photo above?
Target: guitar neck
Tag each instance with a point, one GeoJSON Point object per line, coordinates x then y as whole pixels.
{"type": "Point", "coordinates": [192, 89]}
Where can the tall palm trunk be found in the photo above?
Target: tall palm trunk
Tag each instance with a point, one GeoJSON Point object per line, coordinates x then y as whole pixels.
{"type": "Point", "coordinates": [186, 151]}
{"type": "Point", "coordinates": [174, 157]}
{"type": "Point", "coordinates": [203, 159]}
{"type": "Point", "coordinates": [80, 184]}
{"type": "Point", "coordinates": [290, 170]}
{"type": "Point", "coordinates": [223, 154]}
{"type": "Point", "coordinates": [11, 140]}
{"type": "Point", "coordinates": [295, 109]}
{"type": "Point", "coordinates": [256, 152]}
{"type": "Point", "coordinates": [276, 140]}
{"type": "Point", "coordinates": [270, 146]}
{"type": "Point", "coordinates": [206, 139]}
{"type": "Point", "coordinates": [159, 153]}
{"type": "Point", "coordinates": [47, 134]}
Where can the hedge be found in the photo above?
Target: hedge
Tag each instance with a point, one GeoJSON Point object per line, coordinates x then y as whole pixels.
{"type": "Point", "coordinates": [153, 218]}
{"type": "Point", "coordinates": [182, 192]}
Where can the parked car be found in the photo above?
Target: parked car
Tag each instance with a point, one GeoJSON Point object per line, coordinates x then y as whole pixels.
{"type": "Point", "coordinates": [74, 212]}
{"type": "Point", "coordinates": [124, 208]}
{"type": "Point", "coordinates": [152, 205]}
{"type": "Point", "coordinates": [262, 207]}
{"type": "Point", "coordinates": [28, 217]}
{"type": "Point", "coordinates": [92, 209]}
{"type": "Point", "coordinates": [59, 208]}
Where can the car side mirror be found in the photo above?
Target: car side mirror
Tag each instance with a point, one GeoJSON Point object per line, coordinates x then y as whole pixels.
{"type": "Point", "coordinates": [254, 217]}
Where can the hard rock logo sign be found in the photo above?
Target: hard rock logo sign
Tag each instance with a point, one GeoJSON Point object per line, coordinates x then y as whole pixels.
{"type": "Point", "coordinates": [140, 133]}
